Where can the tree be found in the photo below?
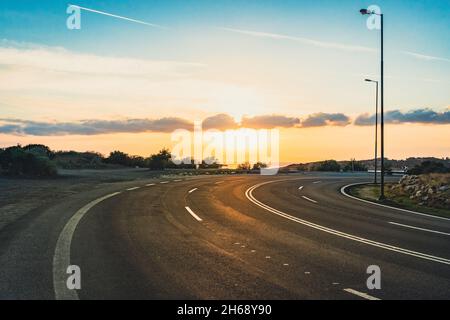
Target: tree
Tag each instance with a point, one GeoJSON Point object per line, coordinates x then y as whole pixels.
{"type": "Point", "coordinates": [244, 166]}
{"type": "Point", "coordinates": [259, 166]}
{"type": "Point", "coordinates": [118, 157]}
{"type": "Point", "coordinates": [160, 160]}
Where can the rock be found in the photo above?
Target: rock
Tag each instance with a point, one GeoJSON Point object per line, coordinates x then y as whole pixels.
{"type": "Point", "coordinates": [444, 188]}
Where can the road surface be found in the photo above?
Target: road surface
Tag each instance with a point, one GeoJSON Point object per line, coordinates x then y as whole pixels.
{"type": "Point", "coordinates": [226, 237]}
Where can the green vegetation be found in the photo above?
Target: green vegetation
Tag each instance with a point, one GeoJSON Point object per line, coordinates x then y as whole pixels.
{"type": "Point", "coordinates": [425, 193]}
{"type": "Point", "coordinates": [28, 161]}
{"type": "Point", "coordinates": [429, 167]}
{"type": "Point", "coordinates": [327, 165]}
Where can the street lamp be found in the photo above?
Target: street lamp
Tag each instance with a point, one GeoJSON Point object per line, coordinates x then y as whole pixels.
{"type": "Point", "coordinates": [369, 12]}
{"type": "Point", "coordinates": [376, 127]}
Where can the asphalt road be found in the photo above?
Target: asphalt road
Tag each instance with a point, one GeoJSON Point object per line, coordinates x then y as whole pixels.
{"type": "Point", "coordinates": [226, 237]}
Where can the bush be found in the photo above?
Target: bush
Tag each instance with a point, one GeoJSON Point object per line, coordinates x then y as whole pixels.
{"type": "Point", "coordinates": [429, 167]}
{"type": "Point", "coordinates": [327, 165]}
{"type": "Point", "coordinates": [355, 166]}
{"type": "Point", "coordinates": [17, 161]}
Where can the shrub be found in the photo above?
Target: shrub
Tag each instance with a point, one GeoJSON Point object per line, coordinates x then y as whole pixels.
{"type": "Point", "coordinates": [17, 161]}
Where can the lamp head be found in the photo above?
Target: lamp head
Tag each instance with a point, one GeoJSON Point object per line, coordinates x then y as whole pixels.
{"type": "Point", "coordinates": [364, 11]}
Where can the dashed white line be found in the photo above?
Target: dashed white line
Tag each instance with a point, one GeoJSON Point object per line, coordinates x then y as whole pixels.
{"type": "Point", "coordinates": [192, 190]}
{"type": "Point", "coordinates": [164, 182]}
{"type": "Point", "coordinates": [417, 228]}
{"type": "Point", "coordinates": [309, 199]}
{"type": "Point", "coordinates": [219, 182]}
{"type": "Point", "coordinates": [300, 188]}
{"type": "Point", "coordinates": [133, 188]}
{"type": "Point", "coordinates": [315, 182]}
{"type": "Point", "coordinates": [361, 294]}
{"type": "Point", "coordinates": [196, 217]}
{"type": "Point", "coordinates": [149, 184]}
{"type": "Point", "coordinates": [178, 180]}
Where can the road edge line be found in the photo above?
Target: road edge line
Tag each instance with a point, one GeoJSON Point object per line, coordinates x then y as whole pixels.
{"type": "Point", "coordinates": [61, 256]}
{"type": "Point", "coordinates": [383, 205]}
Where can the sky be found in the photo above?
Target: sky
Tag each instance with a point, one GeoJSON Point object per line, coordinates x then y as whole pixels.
{"type": "Point", "coordinates": [297, 66]}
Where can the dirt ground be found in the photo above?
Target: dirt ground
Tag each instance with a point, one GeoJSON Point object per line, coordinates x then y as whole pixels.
{"type": "Point", "coordinates": [19, 197]}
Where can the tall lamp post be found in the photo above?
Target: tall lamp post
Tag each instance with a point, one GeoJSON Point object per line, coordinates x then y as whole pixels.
{"type": "Point", "coordinates": [376, 129]}
{"type": "Point", "coordinates": [369, 12]}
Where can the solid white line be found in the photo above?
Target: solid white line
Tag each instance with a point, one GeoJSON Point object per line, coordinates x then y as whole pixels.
{"type": "Point", "coordinates": [300, 188]}
{"type": "Point", "coordinates": [361, 294]}
{"type": "Point", "coordinates": [120, 17]}
{"type": "Point", "coordinates": [192, 190]}
{"type": "Point", "coordinates": [150, 184]}
{"type": "Point", "coordinates": [385, 206]}
{"type": "Point", "coordinates": [306, 198]}
{"type": "Point", "coordinates": [164, 182]}
{"type": "Point", "coordinates": [417, 228]}
{"type": "Point", "coordinates": [133, 188]}
{"type": "Point", "coordinates": [61, 258]}
{"type": "Point", "coordinates": [193, 214]}
{"type": "Point", "coordinates": [373, 243]}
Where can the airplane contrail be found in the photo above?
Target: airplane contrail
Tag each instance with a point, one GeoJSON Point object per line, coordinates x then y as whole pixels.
{"type": "Point", "coordinates": [119, 17]}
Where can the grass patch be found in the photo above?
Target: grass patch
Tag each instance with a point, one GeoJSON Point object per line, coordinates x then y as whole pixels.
{"type": "Point", "coordinates": [371, 192]}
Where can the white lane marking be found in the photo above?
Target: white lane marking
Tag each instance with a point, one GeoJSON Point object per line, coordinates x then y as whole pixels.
{"type": "Point", "coordinates": [361, 294]}
{"type": "Point", "coordinates": [267, 257]}
{"type": "Point", "coordinates": [177, 180]}
{"type": "Point", "coordinates": [383, 205]}
{"type": "Point", "coordinates": [193, 214]}
{"type": "Point", "coordinates": [253, 251]}
{"type": "Point", "coordinates": [417, 228]}
{"type": "Point", "coordinates": [61, 258]}
{"type": "Point", "coordinates": [300, 188]}
{"type": "Point", "coordinates": [317, 182]}
{"type": "Point", "coordinates": [219, 182]}
{"type": "Point", "coordinates": [192, 190]}
{"type": "Point", "coordinates": [285, 264]}
{"type": "Point", "coordinates": [133, 188]}
{"type": "Point", "coordinates": [420, 255]}
{"type": "Point", "coordinates": [150, 184]}
{"type": "Point", "coordinates": [309, 199]}
{"type": "Point", "coordinates": [164, 182]}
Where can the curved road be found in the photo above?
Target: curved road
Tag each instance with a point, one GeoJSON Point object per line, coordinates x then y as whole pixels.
{"type": "Point", "coordinates": [231, 237]}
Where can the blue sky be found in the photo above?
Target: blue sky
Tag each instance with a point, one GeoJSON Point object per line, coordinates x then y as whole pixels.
{"type": "Point", "coordinates": [243, 58]}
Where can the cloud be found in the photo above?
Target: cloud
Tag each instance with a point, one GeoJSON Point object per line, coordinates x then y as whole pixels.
{"type": "Point", "coordinates": [322, 44]}
{"type": "Point", "coordinates": [324, 119]}
{"type": "Point", "coordinates": [269, 122]}
{"type": "Point", "coordinates": [92, 127]}
{"type": "Point", "coordinates": [425, 116]}
{"type": "Point", "coordinates": [425, 57]}
{"type": "Point", "coordinates": [220, 121]}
